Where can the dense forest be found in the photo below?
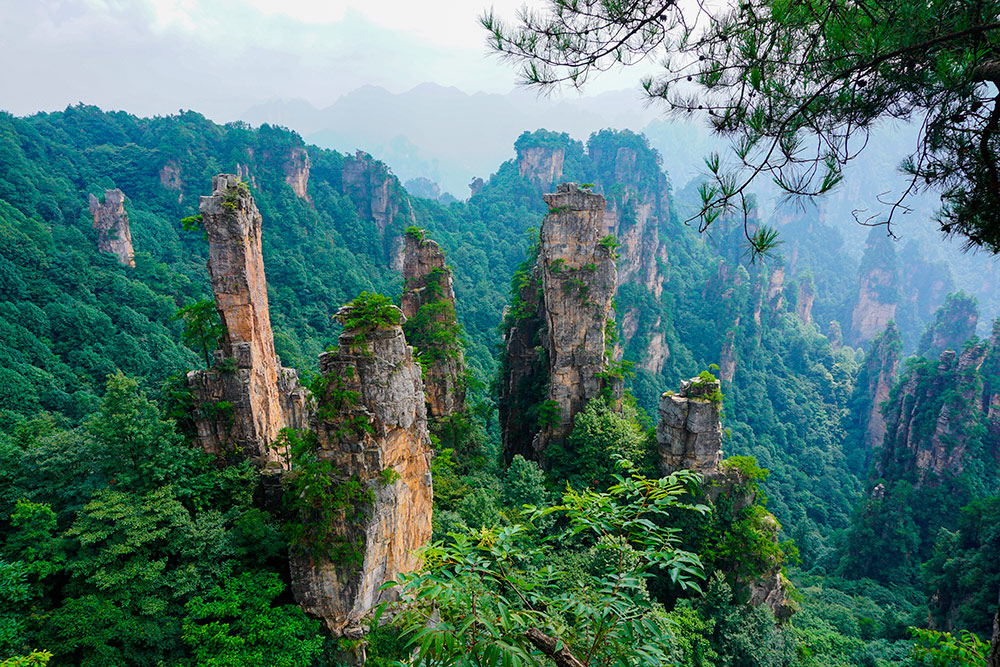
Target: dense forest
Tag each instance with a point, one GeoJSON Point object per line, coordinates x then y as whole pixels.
{"type": "Point", "coordinates": [860, 415]}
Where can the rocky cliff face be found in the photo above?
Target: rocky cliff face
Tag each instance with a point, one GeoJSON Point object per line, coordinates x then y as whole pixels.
{"type": "Point", "coordinates": [524, 368]}
{"type": "Point", "coordinates": [170, 178]}
{"type": "Point", "coordinates": [689, 433]}
{"type": "Point", "coordinates": [378, 196]}
{"type": "Point", "coordinates": [635, 214]}
{"type": "Point", "coordinates": [542, 165]}
{"type": "Point", "coordinates": [775, 288]}
{"type": "Point", "coordinates": [557, 350]}
{"type": "Point", "coordinates": [428, 303]}
{"type": "Point", "coordinates": [689, 437]}
{"type": "Point", "coordinates": [296, 168]}
{"type": "Point", "coordinates": [932, 415]}
{"type": "Point", "coordinates": [878, 290]}
{"type": "Point", "coordinates": [111, 223]}
{"type": "Point", "coordinates": [874, 384]}
{"type": "Point", "coordinates": [371, 425]}
{"type": "Point", "coordinates": [246, 398]}
{"type": "Point", "coordinates": [579, 280]}
{"type": "Point", "coordinates": [806, 298]}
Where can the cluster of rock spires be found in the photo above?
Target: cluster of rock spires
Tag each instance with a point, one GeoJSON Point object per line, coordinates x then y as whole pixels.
{"type": "Point", "coordinates": [559, 357]}
{"type": "Point", "coordinates": [951, 398]}
{"type": "Point", "coordinates": [633, 214]}
{"type": "Point", "coordinates": [370, 422]}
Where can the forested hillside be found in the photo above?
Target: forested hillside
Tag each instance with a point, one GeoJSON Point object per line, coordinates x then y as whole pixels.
{"type": "Point", "coordinates": [121, 543]}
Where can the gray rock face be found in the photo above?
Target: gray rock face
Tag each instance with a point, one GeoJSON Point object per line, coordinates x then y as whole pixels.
{"type": "Point", "coordinates": [579, 280]}
{"type": "Point", "coordinates": [247, 397]}
{"type": "Point", "coordinates": [541, 165]}
{"type": "Point", "coordinates": [557, 350]}
{"type": "Point", "coordinates": [379, 197]}
{"type": "Point", "coordinates": [689, 434]}
{"type": "Point", "coordinates": [374, 380]}
{"type": "Point", "coordinates": [880, 368]}
{"type": "Point", "coordinates": [111, 223]}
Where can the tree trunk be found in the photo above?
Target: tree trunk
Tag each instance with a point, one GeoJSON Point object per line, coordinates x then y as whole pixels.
{"type": "Point", "coordinates": [547, 645]}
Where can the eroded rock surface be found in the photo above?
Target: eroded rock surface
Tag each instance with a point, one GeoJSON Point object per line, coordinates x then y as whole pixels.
{"type": "Point", "coordinates": [689, 433]}
{"type": "Point", "coordinates": [558, 352]}
{"type": "Point", "coordinates": [876, 381]}
{"type": "Point", "coordinates": [954, 323]}
{"type": "Point", "coordinates": [371, 424]}
{"type": "Point", "coordinates": [111, 223]}
{"type": "Point", "coordinates": [541, 165]}
{"type": "Point", "coordinates": [379, 197]}
{"type": "Point", "coordinates": [296, 168]}
{"type": "Point", "coordinates": [428, 302]}
{"type": "Point", "coordinates": [931, 414]}
{"type": "Point", "coordinates": [579, 279]}
{"type": "Point", "coordinates": [246, 398]}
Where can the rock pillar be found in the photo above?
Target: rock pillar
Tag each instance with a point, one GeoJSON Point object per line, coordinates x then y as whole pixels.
{"type": "Point", "coordinates": [371, 425]}
{"type": "Point", "coordinates": [689, 433]}
{"type": "Point", "coordinates": [428, 303]}
{"type": "Point", "coordinates": [111, 223]}
{"type": "Point", "coordinates": [579, 278]}
{"type": "Point", "coordinates": [246, 398]}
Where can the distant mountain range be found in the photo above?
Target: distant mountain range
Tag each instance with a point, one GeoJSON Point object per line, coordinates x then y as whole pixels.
{"type": "Point", "coordinates": [450, 137]}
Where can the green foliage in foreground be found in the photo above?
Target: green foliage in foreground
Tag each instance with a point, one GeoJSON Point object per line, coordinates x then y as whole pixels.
{"type": "Point", "coordinates": [502, 599]}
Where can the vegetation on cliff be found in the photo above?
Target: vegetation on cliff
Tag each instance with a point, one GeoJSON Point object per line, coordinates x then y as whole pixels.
{"type": "Point", "coordinates": [120, 544]}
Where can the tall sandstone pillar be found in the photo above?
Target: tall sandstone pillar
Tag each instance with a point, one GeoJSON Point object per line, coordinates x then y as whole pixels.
{"type": "Point", "coordinates": [246, 398]}
{"type": "Point", "coordinates": [428, 303]}
{"type": "Point", "coordinates": [558, 356]}
{"type": "Point", "coordinates": [371, 425]}
{"type": "Point", "coordinates": [579, 280]}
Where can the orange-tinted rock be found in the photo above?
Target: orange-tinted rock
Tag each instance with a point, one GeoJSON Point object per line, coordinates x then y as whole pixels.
{"type": "Point", "coordinates": [379, 425]}
{"type": "Point", "coordinates": [111, 223]}
{"type": "Point", "coordinates": [247, 398]}
{"type": "Point", "coordinates": [428, 302]}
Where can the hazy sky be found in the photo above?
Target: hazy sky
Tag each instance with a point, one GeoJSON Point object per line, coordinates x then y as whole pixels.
{"type": "Point", "coordinates": [222, 56]}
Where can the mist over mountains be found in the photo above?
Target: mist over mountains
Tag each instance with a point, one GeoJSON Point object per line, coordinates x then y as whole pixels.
{"type": "Point", "coordinates": [450, 137]}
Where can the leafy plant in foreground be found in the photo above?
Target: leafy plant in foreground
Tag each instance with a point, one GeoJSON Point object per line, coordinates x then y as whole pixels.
{"type": "Point", "coordinates": [502, 601]}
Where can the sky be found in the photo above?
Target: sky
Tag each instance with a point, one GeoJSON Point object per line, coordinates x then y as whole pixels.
{"type": "Point", "coordinates": [221, 57]}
